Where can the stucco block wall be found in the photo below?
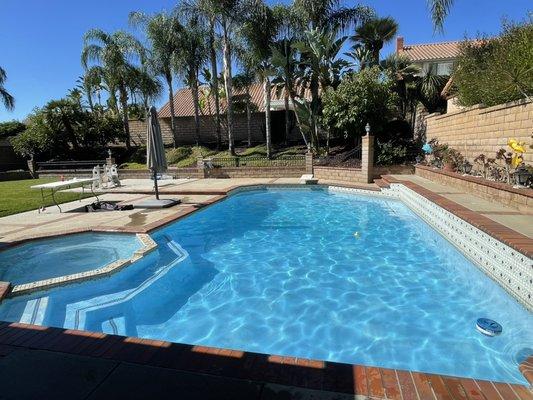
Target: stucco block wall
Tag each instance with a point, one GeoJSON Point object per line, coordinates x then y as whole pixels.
{"type": "Point", "coordinates": [480, 130]}
{"type": "Point", "coordinates": [186, 130]}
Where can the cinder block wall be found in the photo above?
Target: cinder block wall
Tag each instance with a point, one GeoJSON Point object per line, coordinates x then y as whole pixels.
{"type": "Point", "coordinates": [186, 130]}
{"type": "Point", "coordinates": [479, 130]}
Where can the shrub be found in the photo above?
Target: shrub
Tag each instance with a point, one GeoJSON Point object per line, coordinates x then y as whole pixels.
{"type": "Point", "coordinates": [361, 98]}
{"type": "Point", "coordinates": [176, 155]}
{"type": "Point", "coordinates": [495, 71]}
{"type": "Point", "coordinates": [11, 128]}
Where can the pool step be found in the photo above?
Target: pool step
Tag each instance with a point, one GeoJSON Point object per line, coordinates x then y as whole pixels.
{"type": "Point", "coordinates": [381, 183]}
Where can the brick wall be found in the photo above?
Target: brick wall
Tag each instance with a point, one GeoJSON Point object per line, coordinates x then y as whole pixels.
{"type": "Point", "coordinates": [256, 172]}
{"type": "Point", "coordinates": [522, 199]}
{"type": "Point", "coordinates": [478, 130]}
{"type": "Point", "coordinates": [186, 130]}
{"type": "Point", "coordinates": [339, 174]}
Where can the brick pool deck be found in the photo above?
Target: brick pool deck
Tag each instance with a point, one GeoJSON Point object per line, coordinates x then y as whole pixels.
{"type": "Point", "coordinates": [42, 362]}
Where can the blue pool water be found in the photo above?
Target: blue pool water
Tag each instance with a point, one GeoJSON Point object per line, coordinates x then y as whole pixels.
{"type": "Point", "coordinates": [284, 272]}
{"type": "Point", "coordinates": [50, 258]}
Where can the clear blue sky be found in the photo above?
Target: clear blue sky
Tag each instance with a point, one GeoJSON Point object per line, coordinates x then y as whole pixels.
{"type": "Point", "coordinates": [41, 41]}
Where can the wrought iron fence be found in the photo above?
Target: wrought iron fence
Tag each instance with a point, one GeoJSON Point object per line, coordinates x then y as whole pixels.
{"type": "Point", "coordinates": [350, 159]}
{"type": "Point", "coordinates": [237, 162]}
{"type": "Point", "coordinates": [70, 165]}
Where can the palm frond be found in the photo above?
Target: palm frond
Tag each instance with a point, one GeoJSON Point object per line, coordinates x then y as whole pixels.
{"type": "Point", "coordinates": [439, 11]}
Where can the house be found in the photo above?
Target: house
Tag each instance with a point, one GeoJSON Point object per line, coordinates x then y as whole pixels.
{"type": "Point", "coordinates": [437, 58]}
{"type": "Point", "coordinates": [185, 123]}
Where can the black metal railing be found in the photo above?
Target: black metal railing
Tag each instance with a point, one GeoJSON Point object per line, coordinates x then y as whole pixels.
{"type": "Point", "coordinates": [70, 165]}
{"type": "Point", "coordinates": [237, 162]}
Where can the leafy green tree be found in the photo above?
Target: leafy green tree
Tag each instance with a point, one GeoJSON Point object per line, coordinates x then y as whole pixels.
{"type": "Point", "coordinates": [374, 33]}
{"type": "Point", "coordinates": [361, 98]}
{"type": "Point", "coordinates": [5, 97]}
{"type": "Point", "coordinates": [113, 53]}
{"type": "Point", "coordinates": [495, 71]}
{"type": "Point", "coordinates": [163, 32]}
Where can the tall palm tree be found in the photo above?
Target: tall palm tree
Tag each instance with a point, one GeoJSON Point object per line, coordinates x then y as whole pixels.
{"type": "Point", "coordinates": [259, 31]}
{"type": "Point", "coordinates": [5, 97]}
{"type": "Point", "coordinates": [328, 14]}
{"type": "Point", "coordinates": [207, 9]}
{"type": "Point", "coordinates": [374, 33]}
{"type": "Point", "coordinates": [191, 57]}
{"type": "Point", "coordinates": [163, 33]}
{"type": "Point", "coordinates": [284, 61]}
{"type": "Point", "coordinates": [244, 81]}
{"type": "Point", "coordinates": [113, 52]}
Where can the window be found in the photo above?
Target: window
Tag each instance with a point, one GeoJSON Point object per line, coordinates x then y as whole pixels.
{"type": "Point", "coordinates": [438, 68]}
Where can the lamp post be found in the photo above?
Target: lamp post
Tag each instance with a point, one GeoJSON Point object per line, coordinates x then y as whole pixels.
{"type": "Point", "coordinates": [367, 129]}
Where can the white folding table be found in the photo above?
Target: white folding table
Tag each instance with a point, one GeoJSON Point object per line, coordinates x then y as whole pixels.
{"type": "Point", "coordinates": [54, 187]}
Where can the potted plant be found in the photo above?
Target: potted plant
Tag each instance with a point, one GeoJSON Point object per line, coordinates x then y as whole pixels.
{"type": "Point", "coordinates": [451, 158]}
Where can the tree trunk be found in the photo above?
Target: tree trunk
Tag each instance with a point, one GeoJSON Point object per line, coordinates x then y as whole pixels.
{"type": "Point", "coordinates": [268, 128]}
{"type": "Point", "coordinates": [172, 111]}
{"type": "Point", "coordinates": [125, 121]}
{"type": "Point", "coordinates": [214, 73]}
{"type": "Point", "coordinates": [293, 100]}
{"type": "Point", "coordinates": [229, 84]}
{"type": "Point", "coordinates": [314, 112]}
{"type": "Point", "coordinates": [287, 118]}
{"type": "Point", "coordinates": [196, 101]}
{"type": "Point", "coordinates": [248, 116]}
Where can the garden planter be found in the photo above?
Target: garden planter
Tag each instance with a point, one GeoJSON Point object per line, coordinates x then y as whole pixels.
{"type": "Point", "coordinates": [449, 166]}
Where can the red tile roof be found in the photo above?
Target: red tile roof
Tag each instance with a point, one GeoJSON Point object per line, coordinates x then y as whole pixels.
{"type": "Point", "coordinates": [431, 51]}
{"type": "Point", "coordinates": [184, 106]}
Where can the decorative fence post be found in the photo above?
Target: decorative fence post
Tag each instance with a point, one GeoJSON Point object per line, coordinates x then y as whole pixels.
{"type": "Point", "coordinates": [200, 166]}
{"type": "Point", "coordinates": [367, 159]}
{"type": "Point", "coordinates": [309, 162]}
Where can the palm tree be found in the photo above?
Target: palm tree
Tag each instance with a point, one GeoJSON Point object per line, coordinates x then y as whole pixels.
{"type": "Point", "coordinates": [374, 33]}
{"type": "Point", "coordinates": [163, 32]}
{"type": "Point", "coordinates": [243, 81]}
{"type": "Point", "coordinates": [259, 31]}
{"type": "Point", "coordinates": [113, 53]}
{"type": "Point", "coordinates": [284, 62]}
{"type": "Point", "coordinates": [207, 9]}
{"type": "Point", "coordinates": [328, 14]}
{"type": "Point", "coordinates": [361, 55]}
{"type": "Point", "coordinates": [439, 11]}
{"type": "Point", "coordinates": [319, 68]}
{"type": "Point", "coordinates": [5, 97]}
{"type": "Point", "coordinates": [189, 61]}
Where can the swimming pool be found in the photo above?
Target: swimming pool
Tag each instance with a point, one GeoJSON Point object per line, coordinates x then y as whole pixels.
{"type": "Point", "coordinates": [50, 258]}
{"type": "Point", "coordinates": [305, 273]}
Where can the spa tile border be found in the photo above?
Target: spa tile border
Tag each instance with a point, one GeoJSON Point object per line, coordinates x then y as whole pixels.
{"type": "Point", "coordinates": [148, 245]}
{"type": "Point", "coordinates": [513, 239]}
{"type": "Point", "coordinates": [332, 378]}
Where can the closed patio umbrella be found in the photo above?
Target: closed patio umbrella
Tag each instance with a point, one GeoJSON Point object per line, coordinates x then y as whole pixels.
{"type": "Point", "coordinates": [156, 160]}
{"type": "Point", "coordinates": [155, 151]}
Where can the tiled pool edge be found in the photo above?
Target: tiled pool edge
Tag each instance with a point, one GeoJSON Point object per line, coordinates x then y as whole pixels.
{"type": "Point", "coordinates": [148, 246]}
{"type": "Point", "coordinates": [510, 268]}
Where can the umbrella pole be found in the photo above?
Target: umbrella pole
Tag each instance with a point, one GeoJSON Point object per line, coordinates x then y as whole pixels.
{"type": "Point", "coordinates": [155, 184]}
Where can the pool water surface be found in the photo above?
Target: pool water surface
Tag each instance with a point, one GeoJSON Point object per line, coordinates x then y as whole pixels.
{"type": "Point", "coordinates": [304, 273]}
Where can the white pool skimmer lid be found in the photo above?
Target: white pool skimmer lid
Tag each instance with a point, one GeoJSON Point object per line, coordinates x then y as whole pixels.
{"type": "Point", "coordinates": [488, 327]}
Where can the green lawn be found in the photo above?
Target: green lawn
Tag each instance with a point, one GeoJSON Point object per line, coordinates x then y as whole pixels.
{"type": "Point", "coordinates": [16, 196]}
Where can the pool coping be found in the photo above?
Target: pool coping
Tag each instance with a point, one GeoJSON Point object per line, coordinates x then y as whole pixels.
{"type": "Point", "coordinates": [323, 376]}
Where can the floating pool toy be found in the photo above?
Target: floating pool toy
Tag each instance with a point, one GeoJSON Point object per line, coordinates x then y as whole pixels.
{"type": "Point", "coordinates": [488, 327]}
